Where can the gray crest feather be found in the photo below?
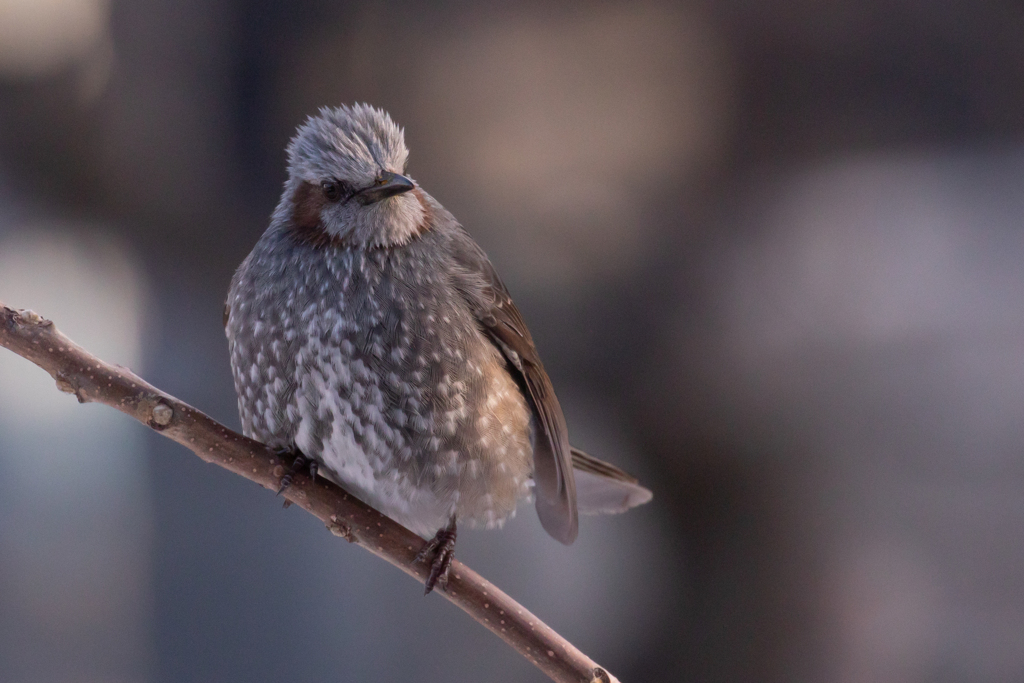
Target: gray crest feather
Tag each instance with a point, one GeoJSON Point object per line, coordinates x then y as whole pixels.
{"type": "Point", "coordinates": [352, 140]}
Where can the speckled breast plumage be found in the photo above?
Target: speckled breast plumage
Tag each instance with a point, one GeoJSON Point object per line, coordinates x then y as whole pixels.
{"type": "Point", "coordinates": [372, 363]}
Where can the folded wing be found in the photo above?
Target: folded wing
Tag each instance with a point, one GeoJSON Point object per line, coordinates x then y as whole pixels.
{"type": "Point", "coordinates": [555, 488]}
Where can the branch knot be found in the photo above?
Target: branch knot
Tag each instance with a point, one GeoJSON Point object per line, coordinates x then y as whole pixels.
{"type": "Point", "coordinates": [30, 317]}
{"type": "Point", "coordinates": [162, 414]}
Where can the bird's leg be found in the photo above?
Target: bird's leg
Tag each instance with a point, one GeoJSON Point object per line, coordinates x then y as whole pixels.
{"type": "Point", "coordinates": [299, 462]}
{"type": "Point", "coordinates": [442, 547]}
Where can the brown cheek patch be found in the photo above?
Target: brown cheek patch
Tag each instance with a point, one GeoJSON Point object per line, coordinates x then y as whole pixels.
{"type": "Point", "coordinates": [307, 202]}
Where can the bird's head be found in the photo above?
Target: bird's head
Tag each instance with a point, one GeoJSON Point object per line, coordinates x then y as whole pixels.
{"type": "Point", "coordinates": [346, 180]}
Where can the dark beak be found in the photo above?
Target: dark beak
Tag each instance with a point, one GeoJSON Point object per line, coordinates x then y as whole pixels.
{"type": "Point", "coordinates": [388, 185]}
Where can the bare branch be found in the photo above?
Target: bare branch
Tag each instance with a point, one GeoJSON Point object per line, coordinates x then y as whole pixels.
{"type": "Point", "coordinates": [78, 372]}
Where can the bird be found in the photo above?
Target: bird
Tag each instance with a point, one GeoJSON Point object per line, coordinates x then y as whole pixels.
{"type": "Point", "coordinates": [371, 339]}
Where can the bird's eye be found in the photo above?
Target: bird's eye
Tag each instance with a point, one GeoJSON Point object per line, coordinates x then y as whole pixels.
{"type": "Point", "coordinates": [332, 189]}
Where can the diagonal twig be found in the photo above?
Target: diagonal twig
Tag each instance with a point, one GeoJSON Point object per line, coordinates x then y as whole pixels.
{"type": "Point", "coordinates": [78, 372]}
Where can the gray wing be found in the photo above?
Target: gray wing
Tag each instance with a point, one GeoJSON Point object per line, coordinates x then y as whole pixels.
{"type": "Point", "coordinates": [554, 486]}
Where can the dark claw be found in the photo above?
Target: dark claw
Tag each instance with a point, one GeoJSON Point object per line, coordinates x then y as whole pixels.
{"type": "Point", "coordinates": [299, 463]}
{"type": "Point", "coordinates": [286, 481]}
{"type": "Point", "coordinates": [442, 547]}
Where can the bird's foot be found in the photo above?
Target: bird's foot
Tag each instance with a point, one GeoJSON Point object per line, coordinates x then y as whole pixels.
{"type": "Point", "coordinates": [442, 548]}
{"type": "Point", "coordinates": [300, 462]}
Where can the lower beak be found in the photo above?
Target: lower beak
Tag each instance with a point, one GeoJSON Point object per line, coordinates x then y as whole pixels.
{"type": "Point", "coordinates": [388, 185]}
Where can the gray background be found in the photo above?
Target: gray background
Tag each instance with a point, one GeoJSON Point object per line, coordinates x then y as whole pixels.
{"type": "Point", "coordinates": [770, 252]}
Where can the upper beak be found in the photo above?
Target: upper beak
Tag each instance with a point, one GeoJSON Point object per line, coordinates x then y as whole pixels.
{"type": "Point", "coordinates": [388, 185]}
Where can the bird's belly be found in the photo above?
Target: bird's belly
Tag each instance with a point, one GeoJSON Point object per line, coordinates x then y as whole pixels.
{"type": "Point", "coordinates": [387, 489]}
{"type": "Point", "coordinates": [386, 379]}
{"type": "Point", "coordinates": [454, 443]}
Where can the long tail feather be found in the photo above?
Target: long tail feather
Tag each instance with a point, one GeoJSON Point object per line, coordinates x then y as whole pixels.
{"type": "Point", "coordinates": [602, 488]}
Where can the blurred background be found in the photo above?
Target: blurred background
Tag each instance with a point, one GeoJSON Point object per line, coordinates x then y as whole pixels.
{"type": "Point", "coordinates": [771, 254]}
